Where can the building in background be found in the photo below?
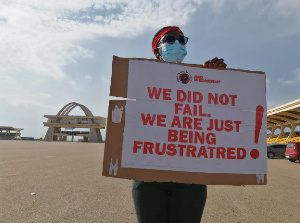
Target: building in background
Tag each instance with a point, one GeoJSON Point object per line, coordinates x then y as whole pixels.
{"type": "Point", "coordinates": [71, 123]}
{"type": "Point", "coordinates": [286, 120]}
{"type": "Point", "coordinates": [10, 133]}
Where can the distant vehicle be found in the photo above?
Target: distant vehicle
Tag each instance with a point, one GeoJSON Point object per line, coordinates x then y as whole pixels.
{"type": "Point", "coordinates": [293, 151]}
{"type": "Point", "coordinates": [277, 150]}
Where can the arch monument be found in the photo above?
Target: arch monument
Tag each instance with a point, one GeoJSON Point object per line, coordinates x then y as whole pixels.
{"type": "Point", "coordinates": [70, 122]}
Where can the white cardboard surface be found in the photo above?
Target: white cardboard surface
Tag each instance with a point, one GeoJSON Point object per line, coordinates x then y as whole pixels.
{"type": "Point", "coordinates": [236, 105]}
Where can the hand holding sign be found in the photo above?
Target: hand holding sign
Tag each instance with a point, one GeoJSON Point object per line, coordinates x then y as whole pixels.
{"type": "Point", "coordinates": [215, 63]}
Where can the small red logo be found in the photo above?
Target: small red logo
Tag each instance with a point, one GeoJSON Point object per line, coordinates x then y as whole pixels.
{"type": "Point", "coordinates": [184, 77]}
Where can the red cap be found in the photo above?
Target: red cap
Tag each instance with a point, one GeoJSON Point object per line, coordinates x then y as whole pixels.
{"type": "Point", "coordinates": [162, 33]}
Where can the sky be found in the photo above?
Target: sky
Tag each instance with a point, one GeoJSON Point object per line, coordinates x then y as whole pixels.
{"type": "Point", "coordinates": [55, 52]}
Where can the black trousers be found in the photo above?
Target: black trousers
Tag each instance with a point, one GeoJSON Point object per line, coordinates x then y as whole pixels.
{"type": "Point", "coordinates": [168, 202]}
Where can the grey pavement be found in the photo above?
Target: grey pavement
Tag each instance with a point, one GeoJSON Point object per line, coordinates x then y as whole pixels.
{"type": "Point", "coordinates": [68, 185]}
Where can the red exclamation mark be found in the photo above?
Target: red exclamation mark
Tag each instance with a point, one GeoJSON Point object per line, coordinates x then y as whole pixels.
{"type": "Point", "coordinates": [258, 122]}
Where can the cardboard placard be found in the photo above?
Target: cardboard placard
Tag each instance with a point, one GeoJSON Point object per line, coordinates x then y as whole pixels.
{"type": "Point", "coordinates": [187, 124]}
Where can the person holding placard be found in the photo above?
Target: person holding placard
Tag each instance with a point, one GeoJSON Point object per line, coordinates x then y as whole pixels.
{"type": "Point", "coordinates": [163, 202]}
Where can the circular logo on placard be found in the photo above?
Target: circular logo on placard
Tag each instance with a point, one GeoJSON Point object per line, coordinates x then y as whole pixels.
{"type": "Point", "coordinates": [184, 77]}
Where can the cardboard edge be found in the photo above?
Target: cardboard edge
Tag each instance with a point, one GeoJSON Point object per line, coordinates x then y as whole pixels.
{"type": "Point", "coordinates": [113, 147]}
{"type": "Point", "coordinates": [193, 65]}
{"type": "Point", "coordinates": [119, 75]}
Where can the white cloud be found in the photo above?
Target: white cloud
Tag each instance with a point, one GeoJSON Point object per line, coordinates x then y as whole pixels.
{"type": "Point", "coordinates": [287, 8]}
{"type": "Point", "coordinates": [29, 100]}
{"type": "Point", "coordinates": [44, 36]}
{"type": "Point", "coordinates": [88, 77]}
{"type": "Point", "coordinates": [105, 80]}
{"type": "Point", "coordinates": [76, 86]}
{"type": "Point", "coordinates": [297, 74]}
{"type": "Point", "coordinates": [267, 82]}
{"type": "Point", "coordinates": [40, 38]}
{"type": "Point", "coordinates": [277, 11]}
{"type": "Point", "coordinates": [292, 78]}
{"type": "Point", "coordinates": [98, 18]}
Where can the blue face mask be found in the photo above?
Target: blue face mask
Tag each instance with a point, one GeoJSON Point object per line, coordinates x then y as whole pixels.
{"type": "Point", "coordinates": [173, 52]}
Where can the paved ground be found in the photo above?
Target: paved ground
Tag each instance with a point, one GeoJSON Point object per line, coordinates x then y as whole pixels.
{"type": "Point", "coordinates": [66, 178]}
